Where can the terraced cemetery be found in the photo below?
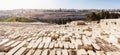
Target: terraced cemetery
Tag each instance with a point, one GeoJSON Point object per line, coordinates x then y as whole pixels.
{"type": "Point", "coordinates": [49, 39]}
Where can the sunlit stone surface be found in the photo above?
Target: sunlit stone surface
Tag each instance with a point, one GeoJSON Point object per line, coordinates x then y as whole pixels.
{"type": "Point", "coordinates": [70, 39]}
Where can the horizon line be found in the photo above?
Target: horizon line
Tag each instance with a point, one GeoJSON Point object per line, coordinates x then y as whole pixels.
{"type": "Point", "coordinates": [63, 8]}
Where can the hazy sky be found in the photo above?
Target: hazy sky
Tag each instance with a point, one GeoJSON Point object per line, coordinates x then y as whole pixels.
{"type": "Point", "coordinates": [55, 4]}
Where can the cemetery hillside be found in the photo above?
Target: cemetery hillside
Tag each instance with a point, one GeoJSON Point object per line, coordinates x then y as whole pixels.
{"type": "Point", "coordinates": [60, 32]}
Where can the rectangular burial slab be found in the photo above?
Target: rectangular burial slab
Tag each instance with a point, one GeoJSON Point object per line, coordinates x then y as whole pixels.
{"type": "Point", "coordinates": [56, 45]}
{"type": "Point", "coordinates": [30, 45]}
{"type": "Point", "coordinates": [113, 53]}
{"type": "Point", "coordinates": [30, 52]}
{"type": "Point", "coordinates": [95, 46]}
{"type": "Point", "coordinates": [100, 53]}
{"type": "Point", "coordinates": [60, 44]}
{"type": "Point", "coordinates": [90, 52]}
{"type": "Point", "coordinates": [20, 51]}
{"type": "Point", "coordinates": [45, 52]}
{"type": "Point", "coordinates": [9, 43]}
{"type": "Point", "coordinates": [110, 53]}
{"type": "Point", "coordinates": [65, 45]}
{"type": "Point", "coordinates": [65, 52]}
{"type": "Point", "coordinates": [37, 43]}
{"type": "Point", "coordinates": [41, 45]}
{"type": "Point", "coordinates": [46, 45]}
{"type": "Point", "coordinates": [51, 45]}
{"type": "Point", "coordinates": [79, 41]}
{"type": "Point", "coordinates": [4, 41]}
{"type": "Point", "coordinates": [86, 41]}
{"type": "Point", "coordinates": [12, 51]}
{"type": "Point", "coordinates": [16, 43]}
{"type": "Point", "coordinates": [72, 52]}
{"type": "Point", "coordinates": [71, 45]}
{"type": "Point", "coordinates": [48, 40]}
{"type": "Point", "coordinates": [78, 44]}
{"type": "Point", "coordinates": [81, 52]}
{"type": "Point", "coordinates": [14, 37]}
{"type": "Point", "coordinates": [58, 52]}
{"type": "Point", "coordinates": [38, 52]}
{"type": "Point", "coordinates": [72, 40]}
{"type": "Point", "coordinates": [104, 48]}
{"type": "Point", "coordinates": [92, 40]}
{"type": "Point", "coordinates": [52, 52]}
{"type": "Point", "coordinates": [29, 39]}
{"type": "Point", "coordinates": [87, 46]}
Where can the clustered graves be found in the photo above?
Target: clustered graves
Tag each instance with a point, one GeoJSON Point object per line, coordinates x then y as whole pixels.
{"type": "Point", "coordinates": [56, 40]}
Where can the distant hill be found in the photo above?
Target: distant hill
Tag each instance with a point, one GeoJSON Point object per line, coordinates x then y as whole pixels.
{"type": "Point", "coordinates": [24, 19]}
{"type": "Point", "coordinates": [17, 19]}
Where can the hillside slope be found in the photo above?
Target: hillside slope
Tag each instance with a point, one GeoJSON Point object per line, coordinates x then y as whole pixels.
{"type": "Point", "coordinates": [17, 19]}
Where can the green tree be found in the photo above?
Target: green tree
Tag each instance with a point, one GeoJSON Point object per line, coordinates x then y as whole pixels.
{"type": "Point", "coordinates": [91, 16]}
{"type": "Point", "coordinates": [107, 14]}
{"type": "Point", "coordinates": [102, 15]}
{"type": "Point", "coordinates": [114, 15]}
